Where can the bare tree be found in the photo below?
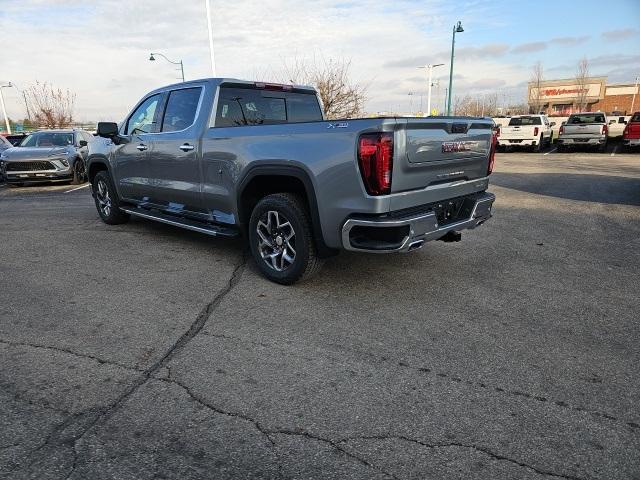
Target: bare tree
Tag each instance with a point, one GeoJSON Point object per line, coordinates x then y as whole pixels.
{"type": "Point", "coordinates": [582, 75]}
{"type": "Point", "coordinates": [52, 107]}
{"type": "Point", "coordinates": [341, 96]}
{"type": "Point", "coordinates": [537, 77]}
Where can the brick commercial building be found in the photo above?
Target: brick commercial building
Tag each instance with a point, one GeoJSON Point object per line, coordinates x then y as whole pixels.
{"type": "Point", "coordinates": [560, 97]}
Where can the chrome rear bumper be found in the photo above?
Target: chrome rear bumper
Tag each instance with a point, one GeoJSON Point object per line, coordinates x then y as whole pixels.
{"type": "Point", "coordinates": [415, 229]}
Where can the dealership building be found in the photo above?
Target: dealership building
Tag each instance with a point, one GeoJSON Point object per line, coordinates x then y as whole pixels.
{"type": "Point", "coordinates": [559, 97]}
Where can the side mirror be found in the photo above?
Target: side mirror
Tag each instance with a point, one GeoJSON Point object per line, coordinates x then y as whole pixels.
{"type": "Point", "coordinates": [552, 123]}
{"type": "Point", "coordinates": [83, 143]}
{"type": "Point", "coordinates": [611, 122]}
{"type": "Point", "coordinates": [107, 129]}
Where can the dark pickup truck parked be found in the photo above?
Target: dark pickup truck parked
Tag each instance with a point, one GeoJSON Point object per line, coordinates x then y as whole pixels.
{"type": "Point", "coordinates": [229, 157]}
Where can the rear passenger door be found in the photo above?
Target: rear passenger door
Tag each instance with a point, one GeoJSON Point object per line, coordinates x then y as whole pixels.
{"type": "Point", "coordinates": [173, 163]}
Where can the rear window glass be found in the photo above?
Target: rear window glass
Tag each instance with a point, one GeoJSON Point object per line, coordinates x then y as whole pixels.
{"type": "Point", "coordinates": [635, 118]}
{"type": "Point", "coordinates": [517, 121]}
{"type": "Point", "coordinates": [245, 106]}
{"type": "Point", "coordinates": [595, 118]}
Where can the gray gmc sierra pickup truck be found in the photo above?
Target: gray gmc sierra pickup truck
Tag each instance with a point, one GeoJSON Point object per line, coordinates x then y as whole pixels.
{"type": "Point", "coordinates": [227, 157]}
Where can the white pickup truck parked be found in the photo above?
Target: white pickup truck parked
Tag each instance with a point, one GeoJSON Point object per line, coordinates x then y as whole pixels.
{"type": "Point", "coordinates": [532, 131]}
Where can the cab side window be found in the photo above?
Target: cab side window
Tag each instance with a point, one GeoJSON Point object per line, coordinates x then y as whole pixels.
{"type": "Point", "coordinates": [181, 109]}
{"type": "Point", "coordinates": [143, 119]}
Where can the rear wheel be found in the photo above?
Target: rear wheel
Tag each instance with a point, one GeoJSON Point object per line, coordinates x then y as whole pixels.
{"type": "Point", "coordinates": [603, 148]}
{"type": "Point", "coordinates": [281, 239]}
{"type": "Point", "coordinates": [107, 201]}
{"type": "Point", "coordinates": [538, 147]}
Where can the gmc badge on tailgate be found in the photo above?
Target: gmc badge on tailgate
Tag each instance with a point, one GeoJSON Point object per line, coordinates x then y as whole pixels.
{"type": "Point", "coordinates": [449, 147]}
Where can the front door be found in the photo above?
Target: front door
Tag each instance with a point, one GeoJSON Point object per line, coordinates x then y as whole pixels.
{"type": "Point", "coordinates": [131, 154]}
{"type": "Point", "coordinates": [174, 155]}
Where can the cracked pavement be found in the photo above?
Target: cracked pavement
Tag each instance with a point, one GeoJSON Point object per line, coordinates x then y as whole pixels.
{"type": "Point", "coordinates": [146, 352]}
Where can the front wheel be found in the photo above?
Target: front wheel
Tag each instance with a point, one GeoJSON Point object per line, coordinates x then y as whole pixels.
{"type": "Point", "coordinates": [107, 201]}
{"type": "Point", "coordinates": [79, 172]}
{"type": "Point", "coordinates": [281, 239]}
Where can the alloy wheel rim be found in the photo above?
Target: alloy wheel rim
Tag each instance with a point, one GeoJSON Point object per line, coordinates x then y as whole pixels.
{"type": "Point", "coordinates": [276, 240]}
{"type": "Point", "coordinates": [79, 167]}
{"type": "Point", "coordinates": [104, 200]}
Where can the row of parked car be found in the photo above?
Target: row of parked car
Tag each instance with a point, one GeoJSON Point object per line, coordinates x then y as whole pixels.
{"type": "Point", "coordinates": [48, 155]}
{"type": "Point", "coordinates": [588, 129]}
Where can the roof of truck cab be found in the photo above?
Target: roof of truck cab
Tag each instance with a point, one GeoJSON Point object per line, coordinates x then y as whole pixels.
{"type": "Point", "coordinates": [220, 80]}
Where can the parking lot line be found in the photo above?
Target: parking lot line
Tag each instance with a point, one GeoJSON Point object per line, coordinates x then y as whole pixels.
{"type": "Point", "coordinates": [77, 188]}
{"type": "Point", "coordinates": [550, 151]}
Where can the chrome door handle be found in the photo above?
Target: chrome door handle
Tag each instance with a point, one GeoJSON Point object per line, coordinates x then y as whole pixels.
{"type": "Point", "coordinates": [186, 147]}
{"type": "Point", "coordinates": [141, 147]}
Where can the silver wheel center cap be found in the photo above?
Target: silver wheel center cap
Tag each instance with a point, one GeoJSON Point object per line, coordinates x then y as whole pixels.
{"type": "Point", "coordinates": [279, 240]}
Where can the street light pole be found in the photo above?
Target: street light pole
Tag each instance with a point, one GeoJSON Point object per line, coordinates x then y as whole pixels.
{"type": "Point", "coordinates": [430, 67]}
{"type": "Point", "coordinates": [152, 59]}
{"type": "Point", "coordinates": [633, 99]}
{"type": "Point", "coordinates": [4, 109]}
{"type": "Point", "coordinates": [210, 28]}
{"type": "Point", "coordinates": [456, 28]}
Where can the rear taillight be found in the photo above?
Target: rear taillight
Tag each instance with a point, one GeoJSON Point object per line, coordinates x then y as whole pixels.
{"type": "Point", "coordinates": [375, 158]}
{"type": "Point", "coordinates": [492, 152]}
{"type": "Point", "coordinates": [626, 131]}
{"type": "Point", "coordinates": [535, 132]}
{"type": "Point", "coordinates": [561, 130]}
{"type": "Point", "coordinates": [605, 130]}
{"type": "Point", "coordinates": [497, 131]}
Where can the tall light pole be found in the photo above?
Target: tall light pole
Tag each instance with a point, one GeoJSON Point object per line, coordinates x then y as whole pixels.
{"type": "Point", "coordinates": [4, 109]}
{"type": "Point", "coordinates": [456, 29]}
{"type": "Point", "coordinates": [210, 28]}
{"type": "Point", "coordinates": [152, 59]}
{"type": "Point", "coordinates": [430, 67]}
{"type": "Point", "coordinates": [633, 99]}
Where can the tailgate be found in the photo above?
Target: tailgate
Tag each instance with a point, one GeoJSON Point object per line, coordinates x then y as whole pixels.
{"type": "Point", "coordinates": [508, 133]}
{"type": "Point", "coordinates": [633, 130]}
{"type": "Point", "coordinates": [587, 130]}
{"type": "Point", "coordinates": [440, 150]}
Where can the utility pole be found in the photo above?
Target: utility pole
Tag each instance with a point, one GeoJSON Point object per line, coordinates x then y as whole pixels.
{"type": "Point", "coordinates": [210, 28]}
{"type": "Point", "coordinates": [4, 108]}
{"type": "Point", "coordinates": [633, 99]}
{"type": "Point", "coordinates": [430, 67]}
{"type": "Point", "coordinates": [456, 29]}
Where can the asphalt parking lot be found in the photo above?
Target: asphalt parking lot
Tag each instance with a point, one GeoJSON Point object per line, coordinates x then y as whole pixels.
{"type": "Point", "coordinates": [143, 351]}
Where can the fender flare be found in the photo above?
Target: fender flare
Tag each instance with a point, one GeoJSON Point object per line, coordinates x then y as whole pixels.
{"type": "Point", "coordinates": [300, 174]}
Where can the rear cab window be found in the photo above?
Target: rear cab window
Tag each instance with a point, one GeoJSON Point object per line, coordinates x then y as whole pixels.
{"type": "Point", "coordinates": [518, 121]}
{"type": "Point", "coordinates": [586, 118]}
{"type": "Point", "coordinates": [241, 106]}
{"type": "Point", "coordinates": [635, 118]}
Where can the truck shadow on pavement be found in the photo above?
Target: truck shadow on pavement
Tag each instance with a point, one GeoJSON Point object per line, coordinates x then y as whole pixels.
{"type": "Point", "coordinates": [586, 188]}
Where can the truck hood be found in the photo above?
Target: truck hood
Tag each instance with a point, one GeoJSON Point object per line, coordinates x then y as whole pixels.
{"type": "Point", "coordinates": [35, 153]}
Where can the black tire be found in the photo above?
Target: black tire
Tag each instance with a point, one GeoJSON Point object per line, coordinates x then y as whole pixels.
{"type": "Point", "coordinates": [538, 147]}
{"type": "Point", "coordinates": [561, 148]}
{"type": "Point", "coordinates": [112, 215]}
{"type": "Point", "coordinates": [602, 148]}
{"type": "Point", "coordinates": [79, 172]}
{"type": "Point", "coordinates": [271, 249]}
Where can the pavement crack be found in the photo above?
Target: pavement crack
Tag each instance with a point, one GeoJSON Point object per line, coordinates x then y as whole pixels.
{"type": "Point", "coordinates": [484, 450]}
{"type": "Point", "coordinates": [336, 446]}
{"type": "Point", "coordinates": [68, 352]}
{"type": "Point", "coordinates": [268, 432]}
{"type": "Point", "coordinates": [103, 414]}
{"type": "Point", "coordinates": [517, 393]}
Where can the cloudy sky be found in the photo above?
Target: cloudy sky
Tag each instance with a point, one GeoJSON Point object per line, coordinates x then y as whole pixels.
{"type": "Point", "coordinates": [99, 49]}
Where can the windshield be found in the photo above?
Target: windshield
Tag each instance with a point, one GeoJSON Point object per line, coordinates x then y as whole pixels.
{"type": "Point", "coordinates": [517, 121]}
{"type": "Point", "coordinates": [48, 139]}
{"type": "Point", "coordinates": [595, 118]}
